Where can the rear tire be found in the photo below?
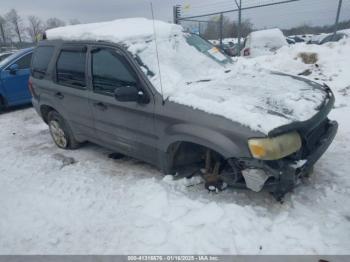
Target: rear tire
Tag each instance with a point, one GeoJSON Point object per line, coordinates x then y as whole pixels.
{"type": "Point", "coordinates": [60, 132]}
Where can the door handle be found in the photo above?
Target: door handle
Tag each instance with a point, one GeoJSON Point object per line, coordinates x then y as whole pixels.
{"type": "Point", "coordinates": [101, 106]}
{"type": "Point", "coordinates": [59, 95]}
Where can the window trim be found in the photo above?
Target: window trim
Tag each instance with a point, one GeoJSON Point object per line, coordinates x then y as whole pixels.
{"type": "Point", "coordinates": [77, 49]}
{"type": "Point", "coordinates": [126, 63]}
{"type": "Point", "coordinates": [14, 62]}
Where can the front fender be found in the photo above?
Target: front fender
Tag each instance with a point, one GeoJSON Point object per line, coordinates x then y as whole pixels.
{"type": "Point", "coordinates": [201, 136]}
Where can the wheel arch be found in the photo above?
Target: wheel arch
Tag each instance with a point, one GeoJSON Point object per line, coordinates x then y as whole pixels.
{"type": "Point", "coordinates": [202, 136]}
{"type": "Point", "coordinates": [45, 110]}
{"type": "Point", "coordinates": [198, 137]}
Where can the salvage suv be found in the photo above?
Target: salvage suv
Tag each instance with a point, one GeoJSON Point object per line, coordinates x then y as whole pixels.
{"type": "Point", "coordinates": [149, 90]}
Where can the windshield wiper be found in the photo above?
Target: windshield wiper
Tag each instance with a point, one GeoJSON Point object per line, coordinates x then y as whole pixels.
{"type": "Point", "coordinates": [198, 81]}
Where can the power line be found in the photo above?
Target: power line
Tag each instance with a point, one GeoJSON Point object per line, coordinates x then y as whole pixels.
{"type": "Point", "coordinates": [235, 10]}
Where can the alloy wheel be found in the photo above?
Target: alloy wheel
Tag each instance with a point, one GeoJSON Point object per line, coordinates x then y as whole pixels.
{"type": "Point", "coordinates": [58, 134]}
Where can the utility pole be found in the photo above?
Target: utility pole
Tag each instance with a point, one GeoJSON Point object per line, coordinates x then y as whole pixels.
{"type": "Point", "coordinates": [337, 18]}
{"type": "Point", "coordinates": [239, 25]}
{"type": "Point", "coordinates": [221, 27]}
{"type": "Point", "coordinates": [176, 14]}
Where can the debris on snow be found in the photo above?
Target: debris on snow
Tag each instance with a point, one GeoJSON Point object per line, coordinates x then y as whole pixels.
{"type": "Point", "coordinates": [308, 57]}
{"type": "Point", "coordinates": [66, 161]}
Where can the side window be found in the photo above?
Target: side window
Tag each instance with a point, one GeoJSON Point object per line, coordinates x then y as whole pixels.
{"type": "Point", "coordinates": [70, 68]}
{"type": "Point", "coordinates": [24, 62]}
{"type": "Point", "coordinates": [41, 60]}
{"type": "Point", "coordinates": [109, 71]}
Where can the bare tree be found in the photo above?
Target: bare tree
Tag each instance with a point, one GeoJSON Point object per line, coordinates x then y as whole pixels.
{"type": "Point", "coordinates": [229, 28]}
{"type": "Point", "coordinates": [16, 22]}
{"type": "Point", "coordinates": [74, 21]}
{"type": "Point", "coordinates": [54, 22]}
{"type": "Point", "coordinates": [2, 29]}
{"type": "Point", "coordinates": [35, 27]}
{"type": "Point", "coordinates": [212, 29]}
{"type": "Point", "coordinates": [246, 28]}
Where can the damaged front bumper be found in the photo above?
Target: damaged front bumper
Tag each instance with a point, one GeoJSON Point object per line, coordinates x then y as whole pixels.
{"type": "Point", "coordinates": [280, 176]}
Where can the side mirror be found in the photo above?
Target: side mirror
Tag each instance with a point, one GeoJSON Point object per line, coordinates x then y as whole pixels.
{"type": "Point", "coordinates": [13, 69]}
{"type": "Point", "coordinates": [130, 94]}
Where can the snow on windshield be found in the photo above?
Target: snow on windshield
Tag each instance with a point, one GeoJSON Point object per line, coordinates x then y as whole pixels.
{"type": "Point", "coordinates": [181, 62]}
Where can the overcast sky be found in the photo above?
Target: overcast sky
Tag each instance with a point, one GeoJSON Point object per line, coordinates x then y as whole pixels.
{"type": "Point", "coordinates": [315, 12]}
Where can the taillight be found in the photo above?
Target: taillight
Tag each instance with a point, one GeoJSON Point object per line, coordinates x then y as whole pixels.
{"type": "Point", "coordinates": [246, 52]}
{"type": "Point", "coordinates": [30, 87]}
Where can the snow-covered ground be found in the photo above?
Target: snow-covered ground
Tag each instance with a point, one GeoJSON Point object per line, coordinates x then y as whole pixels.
{"type": "Point", "coordinates": [49, 205]}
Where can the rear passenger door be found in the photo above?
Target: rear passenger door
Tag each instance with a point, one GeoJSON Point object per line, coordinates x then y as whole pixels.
{"type": "Point", "coordinates": [70, 92]}
{"type": "Point", "coordinates": [127, 127]}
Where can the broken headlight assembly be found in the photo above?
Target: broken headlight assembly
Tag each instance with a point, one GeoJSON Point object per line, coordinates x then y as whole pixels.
{"type": "Point", "coordinates": [275, 147]}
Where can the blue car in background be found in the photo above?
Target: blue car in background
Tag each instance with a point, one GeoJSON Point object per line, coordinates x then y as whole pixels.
{"type": "Point", "coordinates": [14, 75]}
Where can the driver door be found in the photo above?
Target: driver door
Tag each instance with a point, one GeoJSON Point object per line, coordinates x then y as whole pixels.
{"type": "Point", "coordinates": [16, 82]}
{"type": "Point", "coordinates": [127, 127]}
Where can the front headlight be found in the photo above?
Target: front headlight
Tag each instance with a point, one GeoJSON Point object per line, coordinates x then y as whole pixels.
{"type": "Point", "coordinates": [275, 147]}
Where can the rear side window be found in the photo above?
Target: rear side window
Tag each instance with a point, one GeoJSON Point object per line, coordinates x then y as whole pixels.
{"type": "Point", "coordinates": [70, 68]}
{"type": "Point", "coordinates": [41, 60]}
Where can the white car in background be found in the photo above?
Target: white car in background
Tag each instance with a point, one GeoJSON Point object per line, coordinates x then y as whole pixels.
{"type": "Point", "coordinates": [263, 42]}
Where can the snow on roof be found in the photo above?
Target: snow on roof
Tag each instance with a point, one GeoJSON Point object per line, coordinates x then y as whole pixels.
{"type": "Point", "coordinates": [119, 30]}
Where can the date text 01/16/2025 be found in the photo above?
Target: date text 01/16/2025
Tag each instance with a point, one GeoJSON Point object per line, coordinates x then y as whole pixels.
{"type": "Point", "coordinates": [173, 258]}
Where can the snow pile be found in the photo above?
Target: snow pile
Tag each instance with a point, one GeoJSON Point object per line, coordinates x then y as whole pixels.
{"type": "Point", "coordinates": [270, 38]}
{"type": "Point", "coordinates": [332, 67]}
{"type": "Point", "coordinates": [345, 31]}
{"type": "Point", "coordinates": [264, 42]}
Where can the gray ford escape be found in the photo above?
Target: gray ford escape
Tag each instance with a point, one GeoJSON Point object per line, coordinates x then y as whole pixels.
{"type": "Point", "coordinates": [102, 92]}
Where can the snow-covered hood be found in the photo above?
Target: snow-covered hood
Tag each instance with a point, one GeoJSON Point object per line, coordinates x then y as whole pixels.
{"type": "Point", "coordinates": [262, 100]}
